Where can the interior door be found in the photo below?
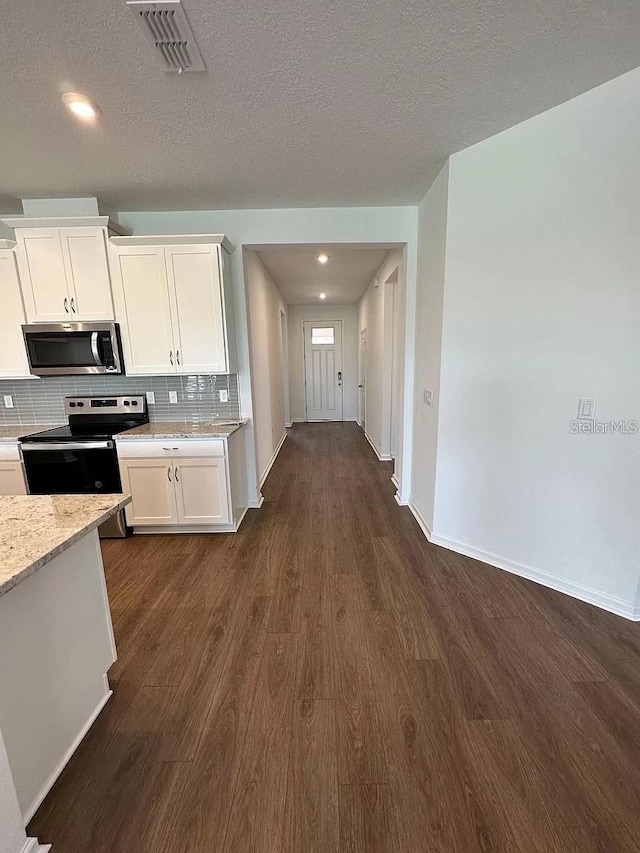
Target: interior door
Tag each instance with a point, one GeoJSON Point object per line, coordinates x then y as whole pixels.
{"type": "Point", "coordinates": [151, 485]}
{"type": "Point", "coordinates": [201, 491]}
{"type": "Point", "coordinates": [85, 257]}
{"type": "Point", "coordinates": [196, 301]}
{"type": "Point", "coordinates": [143, 309]}
{"type": "Point", "coordinates": [43, 275]}
{"type": "Point", "coordinates": [362, 379]}
{"type": "Point", "coordinates": [323, 369]}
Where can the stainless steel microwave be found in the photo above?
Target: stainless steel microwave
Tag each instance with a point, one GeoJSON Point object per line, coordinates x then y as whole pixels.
{"type": "Point", "coordinates": [68, 349]}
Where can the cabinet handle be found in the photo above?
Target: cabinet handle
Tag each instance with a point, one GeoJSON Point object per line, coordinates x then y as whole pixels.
{"type": "Point", "coordinates": [178, 356]}
{"type": "Point", "coordinates": [66, 305]}
{"type": "Point", "coordinates": [171, 448]}
{"type": "Point", "coordinates": [175, 474]}
{"type": "Point", "coordinates": [169, 475]}
{"type": "Point", "coordinates": [73, 307]}
{"type": "Point", "coordinates": [171, 356]}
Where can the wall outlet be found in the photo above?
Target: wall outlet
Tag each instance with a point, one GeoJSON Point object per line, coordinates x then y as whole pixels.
{"type": "Point", "coordinates": [8, 401]}
{"type": "Point", "coordinates": [173, 396]}
{"type": "Point", "coordinates": [224, 396]}
{"type": "Point", "coordinates": [151, 397]}
{"type": "Point", "coordinates": [427, 397]}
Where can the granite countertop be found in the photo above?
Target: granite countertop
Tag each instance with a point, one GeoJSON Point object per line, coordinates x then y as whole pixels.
{"type": "Point", "coordinates": [36, 528]}
{"type": "Point", "coordinates": [12, 434]}
{"type": "Point", "coordinates": [182, 429]}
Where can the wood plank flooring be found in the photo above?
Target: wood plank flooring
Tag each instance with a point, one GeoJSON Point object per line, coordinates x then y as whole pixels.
{"type": "Point", "coordinates": [326, 680]}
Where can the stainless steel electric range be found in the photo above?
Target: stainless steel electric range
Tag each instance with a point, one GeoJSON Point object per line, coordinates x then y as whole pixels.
{"type": "Point", "coordinates": [81, 458]}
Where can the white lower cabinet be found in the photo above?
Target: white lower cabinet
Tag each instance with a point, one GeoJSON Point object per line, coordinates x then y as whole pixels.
{"type": "Point", "coordinates": [12, 479]}
{"type": "Point", "coordinates": [150, 482]}
{"type": "Point", "coordinates": [201, 491]}
{"type": "Point", "coordinates": [188, 485]}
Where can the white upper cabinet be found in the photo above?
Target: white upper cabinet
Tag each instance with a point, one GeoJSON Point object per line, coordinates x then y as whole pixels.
{"type": "Point", "coordinates": [64, 272]}
{"type": "Point", "coordinates": [143, 310]}
{"type": "Point", "coordinates": [13, 354]}
{"type": "Point", "coordinates": [174, 303]}
{"type": "Point", "coordinates": [196, 293]}
{"type": "Point", "coordinates": [84, 252]}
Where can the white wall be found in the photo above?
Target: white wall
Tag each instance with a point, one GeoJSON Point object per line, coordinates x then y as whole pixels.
{"type": "Point", "coordinates": [264, 307]}
{"type": "Point", "coordinates": [541, 308]}
{"type": "Point", "coordinates": [432, 233]}
{"type": "Point", "coordinates": [349, 316]}
{"type": "Point", "coordinates": [289, 226]}
{"type": "Point", "coordinates": [373, 315]}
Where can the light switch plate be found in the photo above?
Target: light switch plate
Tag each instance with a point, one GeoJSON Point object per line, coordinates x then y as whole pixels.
{"type": "Point", "coordinates": [224, 396]}
{"type": "Point", "coordinates": [427, 397]}
{"type": "Point", "coordinates": [173, 396]}
{"type": "Point", "coordinates": [8, 401]}
{"type": "Point", "coordinates": [151, 397]}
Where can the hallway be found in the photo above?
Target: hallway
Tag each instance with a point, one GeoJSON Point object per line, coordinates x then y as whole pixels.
{"type": "Point", "coordinates": [326, 680]}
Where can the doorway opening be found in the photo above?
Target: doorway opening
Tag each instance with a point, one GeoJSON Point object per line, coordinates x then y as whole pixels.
{"type": "Point", "coordinates": [323, 370]}
{"type": "Point", "coordinates": [362, 380]}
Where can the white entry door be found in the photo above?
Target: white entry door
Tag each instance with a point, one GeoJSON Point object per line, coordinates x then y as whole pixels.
{"type": "Point", "coordinates": [323, 369]}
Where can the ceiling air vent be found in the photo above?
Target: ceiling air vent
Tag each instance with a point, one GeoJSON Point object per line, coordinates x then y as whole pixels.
{"type": "Point", "coordinates": [166, 26]}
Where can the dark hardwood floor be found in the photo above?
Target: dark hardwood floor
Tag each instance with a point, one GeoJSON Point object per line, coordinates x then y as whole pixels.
{"type": "Point", "coordinates": [326, 680]}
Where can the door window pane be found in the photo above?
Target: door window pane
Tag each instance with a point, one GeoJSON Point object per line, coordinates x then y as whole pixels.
{"type": "Point", "coordinates": [323, 336]}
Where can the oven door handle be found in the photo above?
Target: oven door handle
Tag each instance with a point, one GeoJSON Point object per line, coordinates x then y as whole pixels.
{"type": "Point", "coordinates": [94, 349]}
{"type": "Point", "coordinates": [66, 445]}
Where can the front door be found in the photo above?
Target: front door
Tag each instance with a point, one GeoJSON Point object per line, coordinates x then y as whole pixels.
{"type": "Point", "coordinates": [323, 370]}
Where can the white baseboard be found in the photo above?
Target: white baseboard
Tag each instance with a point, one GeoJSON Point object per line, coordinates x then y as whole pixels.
{"type": "Point", "coordinates": [611, 603]}
{"type": "Point", "coordinates": [271, 461]}
{"type": "Point", "coordinates": [289, 425]}
{"type": "Point", "coordinates": [591, 596]}
{"type": "Point", "coordinates": [381, 457]}
{"type": "Point", "coordinates": [48, 785]}
{"type": "Point", "coordinates": [595, 597]}
{"type": "Point", "coordinates": [419, 518]}
{"type": "Point", "coordinates": [32, 845]}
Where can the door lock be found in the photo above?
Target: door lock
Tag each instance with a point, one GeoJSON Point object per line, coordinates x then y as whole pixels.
{"type": "Point", "coordinates": [339, 377]}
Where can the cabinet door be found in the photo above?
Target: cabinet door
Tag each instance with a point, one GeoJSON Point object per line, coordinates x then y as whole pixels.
{"type": "Point", "coordinates": [151, 484]}
{"type": "Point", "coordinates": [13, 354]}
{"type": "Point", "coordinates": [84, 253]}
{"type": "Point", "coordinates": [12, 480]}
{"type": "Point", "coordinates": [142, 308]}
{"type": "Point", "coordinates": [42, 275]}
{"type": "Point", "coordinates": [196, 301]}
{"type": "Point", "coordinates": [201, 491]}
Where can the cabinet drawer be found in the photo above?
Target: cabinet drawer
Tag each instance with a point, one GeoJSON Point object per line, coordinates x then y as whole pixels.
{"type": "Point", "coordinates": [170, 448]}
{"type": "Point", "coordinates": [9, 453]}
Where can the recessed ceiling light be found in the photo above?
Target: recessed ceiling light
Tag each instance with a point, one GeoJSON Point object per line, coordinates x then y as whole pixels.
{"type": "Point", "coordinates": [322, 258]}
{"type": "Point", "coordinates": [323, 296]}
{"type": "Point", "coordinates": [80, 106]}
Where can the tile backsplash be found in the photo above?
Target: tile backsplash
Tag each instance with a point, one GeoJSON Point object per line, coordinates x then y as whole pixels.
{"type": "Point", "coordinates": [41, 401]}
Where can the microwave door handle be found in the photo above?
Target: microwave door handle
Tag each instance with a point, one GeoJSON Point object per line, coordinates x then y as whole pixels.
{"type": "Point", "coordinates": [94, 349]}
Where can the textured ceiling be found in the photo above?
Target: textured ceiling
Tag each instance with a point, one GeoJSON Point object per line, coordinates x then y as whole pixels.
{"type": "Point", "coordinates": [300, 278]}
{"type": "Point", "coordinates": [304, 103]}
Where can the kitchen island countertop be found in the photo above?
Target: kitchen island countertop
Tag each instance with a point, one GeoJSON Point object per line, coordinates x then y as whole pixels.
{"type": "Point", "coordinates": [36, 528]}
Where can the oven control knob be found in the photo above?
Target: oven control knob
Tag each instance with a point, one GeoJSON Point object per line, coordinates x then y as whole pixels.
{"type": "Point", "coordinates": [134, 402]}
{"type": "Point", "coordinates": [126, 402]}
{"type": "Point", "coordinates": [98, 484]}
{"type": "Point", "coordinates": [72, 405]}
{"type": "Point", "coordinates": [80, 404]}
